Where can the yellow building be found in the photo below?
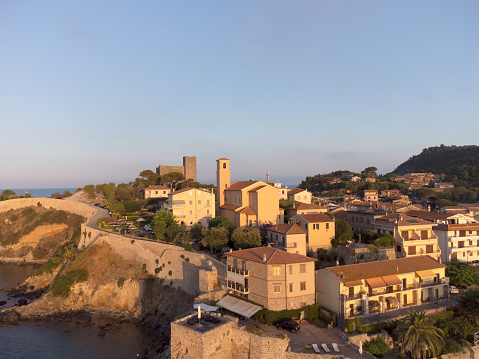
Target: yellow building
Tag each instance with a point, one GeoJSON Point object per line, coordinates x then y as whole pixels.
{"type": "Point", "coordinates": [319, 227]}
{"type": "Point", "coordinates": [246, 203]}
{"type": "Point", "coordinates": [414, 236]}
{"type": "Point", "coordinates": [288, 237]}
{"type": "Point", "coordinates": [370, 195]}
{"type": "Point", "coordinates": [192, 205]}
{"type": "Point", "coordinates": [304, 208]}
{"type": "Point", "coordinates": [271, 277]}
{"type": "Point", "coordinates": [376, 287]}
{"type": "Point", "coordinates": [299, 195]}
{"type": "Point", "coordinates": [156, 192]}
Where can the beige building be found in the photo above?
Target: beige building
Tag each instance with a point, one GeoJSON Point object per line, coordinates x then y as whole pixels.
{"type": "Point", "coordinates": [246, 203]}
{"type": "Point", "coordinates": [414, 236]}
{"type": "Point", "coordinates": [271, 277]}
{"type": "Point", "coordinates": [304, 208]}
{"type": "Point", "coordinates": [288, 237]}
{"type": "Point", "coordinates": [299, 195]}
{"type": "Point", "coordinates": [361, 221]}
{"type": "Point", "coordinates": [370, 195]}
{"type": "Point", "coordinates": [192, 205]}
{"type": "Point", "coordinates": [376, 287]}
{"type": "Point", "coordinates": [157, 192]}
{"type": "Point", "coordinates": [457, 235]}
{"type": "Point", "coordinates": [319, 227]}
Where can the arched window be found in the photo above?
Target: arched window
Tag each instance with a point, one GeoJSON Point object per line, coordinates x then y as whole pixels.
{"type": "Point", "coordinates": [224, 165]}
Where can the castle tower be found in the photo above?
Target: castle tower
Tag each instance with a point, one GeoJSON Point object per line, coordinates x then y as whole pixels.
{"type": "Point", "coordinates": [222, 182]}
{"type": "Point", "coordinates": [189, 165]}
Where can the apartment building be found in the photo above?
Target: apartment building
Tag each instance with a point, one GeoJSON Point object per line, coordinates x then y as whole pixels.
{"type": "Point", "coordinates": [299, 195]}
{"type": "Point", "coordinates": [157, 192]}
{"type": "Point", "coordinates": [288, 237]}
{"type": "Point", "coordinates": [362, 221]}
{"type": "Point", "coordinates": [271, 277]}
{"type": "Point", "coordinates": [319, 228]}
{"type": "Point", "coordinates": [414, 236]}
{"type": "Point", "coordinates": [192, 205]}
{"type": "Point", "coordinates": [371, 195]}
{"type": "Point", "coordinates": [304, 208]}
{"type": "Point", "coordinates": [376, 287]}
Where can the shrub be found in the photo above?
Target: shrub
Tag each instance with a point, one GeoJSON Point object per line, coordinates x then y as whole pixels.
{"type": "Point", "coordinates": [39, 204]}
{"type": "Point", "coordinates": [157, 261]}
{"type": "Point", "coordinates": [157, 270]}
{"type": "Point", "coordinates": [132, 241]}
{"type": "Point", "coordinates": [182, 256]}
{"type": "Point", "coordinates": [376, 346]}
{"type": "Point", "coordinates": [61, 286]}
{"type": "Point", "coordinates": [188, 247]}
{"type": "Point", "coordinates": [29, 213]}
{"type": "Point", "coordinates": [13, 217]}
{"type": "Point", "coordinates": [349, 325]}
{"type": "Point", "coordinates": [170, 273]}
{"type": "Point", "coordinates": [144, 267]}
{"type": "Point", "coordinates": [49, 266]}
{"type": "Point", "coordinates": [357, 323]}
{"type": "Point", "coordinates": [187, 260]}
{"type": "Point", "coordinates": [120, 282]}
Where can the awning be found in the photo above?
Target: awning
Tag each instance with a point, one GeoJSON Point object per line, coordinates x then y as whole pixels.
{"type": "Point", "coordinates": [374, 303]}
{"type": "Point", "coordinates": [376, 282]}
{"type": "Point", "coordinates": [425, 274]}
{"type": "Point", "coordinates": [353, 283]}
{"type": "Point", "coordinates": [392, 280]}
{"type": "Point", "coordinates": [238, 306]}
{"type": "Point", "coordinates": [392, 300]}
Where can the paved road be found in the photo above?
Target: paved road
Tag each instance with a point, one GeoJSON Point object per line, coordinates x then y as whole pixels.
{"type": "Point", "coordinates": [82, 196]}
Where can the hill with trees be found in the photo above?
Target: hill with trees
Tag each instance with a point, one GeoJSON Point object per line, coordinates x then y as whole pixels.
{"type": "Point", "coordinates": [460, 164]}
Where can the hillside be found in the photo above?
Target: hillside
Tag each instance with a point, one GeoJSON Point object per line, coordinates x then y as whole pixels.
{"type": "Point", "coordinates": [460, 164]}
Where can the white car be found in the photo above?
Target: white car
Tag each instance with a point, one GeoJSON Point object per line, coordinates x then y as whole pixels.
{"type": "Point", "coordinates": [453, 290]}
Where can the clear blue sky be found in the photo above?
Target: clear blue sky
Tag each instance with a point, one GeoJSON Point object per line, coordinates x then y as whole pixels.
{"type": "Point", "coordinates": [96, 91]}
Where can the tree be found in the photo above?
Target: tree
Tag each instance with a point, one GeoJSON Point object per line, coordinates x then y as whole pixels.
{"type": "Point", "coordinates": [343, 233]}
{"type": "Point", "coordinates": [369, 172]}
{"type": "Point", "coordinates": [246, 237]}
{"type": "Point", "coordinates": [221, 221]}
{"type": "Point", "coordinates": [90, 189]}
{"type": "Point", "coordinates": [418, 336]}
{"type": "Point", "coordinates": [165, 227]}
{"type": "Point", "coordinates": [462, 274]}
{"type": "Point", "coordinates": [147, 178]}
{"type": "Point", "coordinates": [172, 179]}
{"type": "Point", "coordinates": [425, 193]}
{"type": "Point", "coordinates": [469, 303]}
{"type": "Point", "coordinates": [215, 238]}
{"type": "Point", "coordinates": [66, 194]}
{"type": "Point", "coordinates": [385, 240]}
{"type": "Point", "coordinates": [195, 231]}
{"type": "Point", "coordinates": [7, 194]}
{"type": "Point", "coordinates": [376, 346]}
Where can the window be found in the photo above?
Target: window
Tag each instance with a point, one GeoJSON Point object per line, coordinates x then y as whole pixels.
{"type": "Point", "coordinates": [190, 203]}
{"type": "Point", "coordinates": [276, 270]}
{"type": "Point", "coordinates": [290, 269]}
{"type": "Point", "coordinates": [224, 165]}
{"type": "Point", "coordinates": [327, 225]}
{"type": "Point", "coordinates": [207, 213]}
{"type": "Point", "coordinates": [302, 285]}
{"type": "Point", "coordinates": [302, 268]}
{"type": "Point", "coordinates": [191, 213]}
{"type": "Point", "coordinates": [315, 226]}
{"type": "Point", "coordinates": [290, 287]}
{"type": "Point", "coordinates": [208, 203]}
{"type": "Point", "coordinates": [199, 201]}
{"type": "Point", "coordinates": [411, 250]}
{"type": "Point", "coordinates": [277, 288]}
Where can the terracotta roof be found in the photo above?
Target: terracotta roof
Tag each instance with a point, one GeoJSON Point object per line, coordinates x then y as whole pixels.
{"type": "Point", "coordinates": [400, 219]}
{"type": "Point", "coordinates": [296, 190]}
{"type": "Point", "coordinates": [248, 210]}
{"type": "Point", "coordinates": [304, 206]}
{"type": "Point", "coordinates": [239, 185]}
{"type": "Point", "coordinates": [157, 187]}
{"type": "Point", "coordinates": [229, 206]}
{"type": "Point", "coordinates": [183, 190]}
{"type": "Point", "coordinates": [429, 216]}
{"type": "Point", "coordinates": [258, 188]}
{"type": "Point", "coordinates": [273, 256]}
{"type": "Point", "coordinates": [341, 214]}
{"type": "Point", "coordinates": [353, 272]}
{"type": "Point", "coordinates": [222, 159]}
{"type": "Point", "coordinates": [315, 217]}
{"type": "Point", "coordinates": [291, 228]}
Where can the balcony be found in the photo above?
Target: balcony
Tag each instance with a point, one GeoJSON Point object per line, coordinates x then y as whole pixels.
{"type": "Point", "coordinates": [237, 275]}
{"type": "Point", "coordinates": [243, 272]}
{"type": "Point", "coordinates": [237, 287]}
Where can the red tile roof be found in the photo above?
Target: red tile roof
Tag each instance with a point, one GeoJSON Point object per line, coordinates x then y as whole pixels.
{"type": "Point", "coordinates": [291, 228]}
{"type": "Point", "coordinates": [305, 206]}
{"type": "Point", "coordinates": [273, 256]}
{"type": "Point", "coordinates": [223, 159]}
{"type": "Point", "coordinates": [315, 217]}
{"type": "Point", "coordinates": [248, 210]}
{"type": "Point", "coordinates": [157, 187]}
{"type": "Point", "coordinates": [239, 185]}
{"type": "Point", "coordinates": [229, 206]}
{"type": "Point", "coordinates": [400, 220]}
{"type": "Point", "coordinates": [353, 272]}
{"type": "Point", "coordinates": [296, 190]}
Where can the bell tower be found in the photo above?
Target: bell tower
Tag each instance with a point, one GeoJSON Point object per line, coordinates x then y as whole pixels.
{"type": "Point", "coordinates": [222, 182]}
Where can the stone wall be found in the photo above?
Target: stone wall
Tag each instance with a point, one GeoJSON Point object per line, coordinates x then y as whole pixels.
{"type": "Point", "coordinates": [362, 255]}
{"type": "Point", "coordinates": [192, 271]}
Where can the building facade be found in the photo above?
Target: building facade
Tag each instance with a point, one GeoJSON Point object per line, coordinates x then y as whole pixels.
{"type": "Point", "coordinates": [157, 192]}
{"type": "Point", "coordinates": [191, 206]}
{"type": "Point", "coordinates": [363, 289]}
{"type": "Point", "coordinates": [271, 277]}
{"type": "Point", "coordinates": [319, 228]}
{"type": "Point", "coordinates": [299, 195]}
{"type": "Point", "coordinates": [288, 237]}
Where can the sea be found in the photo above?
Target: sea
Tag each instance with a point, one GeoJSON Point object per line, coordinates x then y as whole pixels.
{"type": "Point", "coordinates": [40, 192]}
{"type": "Point", "coordinates": [62, 339]}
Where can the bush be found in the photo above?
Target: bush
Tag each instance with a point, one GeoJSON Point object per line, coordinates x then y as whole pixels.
{"type": "Point", "coordinates": [187, 260]}
{"type": "Point", "coordinates": [61, 286]}
{"type": "Point", "coordinates": [376, 346]}
{"type": "Point", "coordinates": [120, 282]}
{"type": "Point", "coordinates": [349, 325]}
{"type": "Point", "coordinates": [374, 328]}
{"type": "Point", "coordinates": [49, 266]}
{"type": "Point", "coordinates": [188, 247]}
{"type": "Point", "coordinates": [39, 204]}
{"type": "Point", "coordinates": [157, 261]}
{"type": "Point", "coordinates": [132, 241]}
{"type": "Point", "coordinates": [357, 323]}
{"type": "Point", "coordinates": [170, 273]}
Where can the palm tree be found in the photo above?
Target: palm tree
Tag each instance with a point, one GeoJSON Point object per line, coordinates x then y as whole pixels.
{"type": "Point", "coordinates": [419, 336]}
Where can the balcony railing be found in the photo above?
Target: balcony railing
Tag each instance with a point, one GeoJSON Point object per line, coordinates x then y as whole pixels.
{"type": "Point", "coordinates": [238, 287]}
{"type": "Point", "coordinates": [243, 272]}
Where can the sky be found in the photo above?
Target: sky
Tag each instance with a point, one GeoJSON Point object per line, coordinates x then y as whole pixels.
{"type": "Point", "coordinates": [97, 91]}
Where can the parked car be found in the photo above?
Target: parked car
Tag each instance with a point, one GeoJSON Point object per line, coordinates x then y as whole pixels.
{"type": "Point", "coordinates": [290, 325]}
{"type": "Point", "coordinates": [453, 290]}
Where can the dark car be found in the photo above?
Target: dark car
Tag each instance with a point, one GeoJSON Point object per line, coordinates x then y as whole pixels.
{"type": "Point", "coordinates": [290, 325]}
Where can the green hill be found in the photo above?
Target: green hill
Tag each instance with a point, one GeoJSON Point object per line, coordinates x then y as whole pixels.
{"type": "Point", "coordinates": [460, 164]}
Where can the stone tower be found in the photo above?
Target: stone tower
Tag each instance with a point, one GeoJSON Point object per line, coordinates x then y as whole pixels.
{"type": "Point", "coordinates": [189, 163]}
{"type": "Point", "coordinates": [222, 182]}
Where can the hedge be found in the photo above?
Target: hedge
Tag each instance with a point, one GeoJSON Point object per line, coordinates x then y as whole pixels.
{"type": "Point", "coordinates": [62, 285]}
{"type": "Point", "coordinates": [311, 312]}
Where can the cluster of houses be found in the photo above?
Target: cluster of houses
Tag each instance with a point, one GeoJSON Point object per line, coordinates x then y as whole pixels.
{"type": "Point", "coordinates": [280, 276]}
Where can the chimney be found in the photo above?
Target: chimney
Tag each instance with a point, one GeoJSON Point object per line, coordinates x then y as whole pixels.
{"type": "Point", "coordinates": [231, 250]}
{"type": "Point", "coordinates": [264, 257]}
